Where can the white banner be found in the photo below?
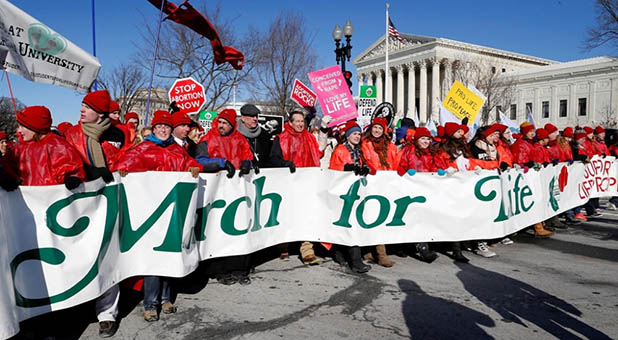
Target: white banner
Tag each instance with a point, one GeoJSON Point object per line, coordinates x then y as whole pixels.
{"type": "Point", "coordinates": [39, 54]}
{"type": "Point", "coordinates": [61, 248]}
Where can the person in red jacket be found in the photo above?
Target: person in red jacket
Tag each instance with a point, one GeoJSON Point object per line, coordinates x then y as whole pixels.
{"type": "Point", "coordinates": [564, 145]}
{"type": "Point", "coordinates": [159, 152]}
{"type": "Point", "coordinates": [224, 147]}
{"type": "Point", "coordinates": [553, 149]}
{"type": "Point", "coordinates": [4, 143]}
{"type": "Point", "coordinates": [415, 158]}
{"type": "Point", "coordinates": [42, 157]}
{"type": "Point", "coordinates": [523, 148]}
{"type": "Point", "coordinates": [381, 153]}
{"type": "Point", "coordinates": [598, 142]}
{"type": "Point", "coordinates": [348, 156]}
{"type": "Point", "coordinates": [131, 119]}
{"type": "Point", "coordinates": [541, 152]}
{"type": "Point", "coordinates": [503, 145]}
{"type": "Point", "coordinates": [453, 152]}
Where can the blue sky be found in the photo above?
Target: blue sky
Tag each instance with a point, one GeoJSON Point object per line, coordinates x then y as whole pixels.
{"type": "Point", "coordinates": [552, 29]}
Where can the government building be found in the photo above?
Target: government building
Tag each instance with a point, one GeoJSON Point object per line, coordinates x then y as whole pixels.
{"type": "Point", "coordinates": [422, 69]}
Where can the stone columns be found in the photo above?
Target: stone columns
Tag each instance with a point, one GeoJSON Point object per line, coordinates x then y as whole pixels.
{"type": "Point", "coordinates": [422, 106]}
{"type": "Point", "coordinates": [448, 77]}
{"type": "Point", "coordinates": [361, 79]}
{"type": "Point", "coordinates": [411, 88]}
{"type": "Point", "coordinates": [379, 87]}
{"type": "Point", "coordinates": [400, 88]}
{"type": "Point", "coordinates": [435, 88]}
{"type": "Point", "coordinates": [370, 78]}
{"type": "Point", "coordinates": [591, 102]}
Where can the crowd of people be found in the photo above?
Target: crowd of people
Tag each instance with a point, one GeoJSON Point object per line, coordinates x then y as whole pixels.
{"type": "Point", "coordinates": [102, 143]}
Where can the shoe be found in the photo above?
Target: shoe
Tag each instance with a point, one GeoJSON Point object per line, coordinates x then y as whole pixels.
{"type": "Point", "coordinates": [611, 206]}
{"type": "Point", "coordinates": [580, 216]}
{"type": "Point", "coordinates": [312, 260]}
{"type": "Point", "coordinates": [506, 241]}
{"type": "Point", "coordinates": [357, 264]}
{"type": "Point", "coordinates": [540, 232]}
{"type": "Point", "coordinates": [107, 328]}
{"type": "Point", "coordinates": [244, 280]}
{"type": "Point", "coordinates": [596, 214]}
{"type": "Point", "coordinates": [572, 220]}
{"type": "Point", "coordinates": [339, 258]}
{"type": "Point", "coordinates": [383, 259]}
{"type": "Point", "coordinates": [360, 267]}
{"type": "Point", "coordinates": [168, 308]}
{"type": "Point", "coordinates": [556, 223]}
{"type": "Point", "coordinates": [227, 280]}
{"type": "Point", "coordinates": [459, 257]}
{"type": "Point", "coordinates": [484, 251]}
{"type": "Point", "coordinates": [151, 315]}
{"type": "Point", "coordinates": [285, 257]}
{"type": "Point", "coordinates": [425, 254]}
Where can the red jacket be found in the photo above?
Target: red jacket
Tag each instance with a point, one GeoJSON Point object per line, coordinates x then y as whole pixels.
{"type": "Point", "coordinates": [540, 154]}
{"type": "Point", "coordinates": [341, 156]}
{"type": "Point", "coordinates": [504, 153]}
{"type": "Point", "coordinates": [76, 137]}
{"type": "Point", "coordinates": [443, 161]}
{"type": "Point", "coordinates": [45, 162]}
{"type": "Point", "coordinates": [411, 160]}
{"type": "Point", "coordinates": [147, 156]}
{"type": "Point", "coordinates": [300, 148]}
{"type": "Point", "coordinates": [565, 154]}
{"type": "Point", "coordinates": [523, 151]}
{"type": "Point", "coordinates": [392, 156]}
{"type": "Point", "coordinates": [614, 150]}
{"type": "Point", "coordinates": [553, 150]}
{"type": "Point", "coordinates": [600, 148]}
{"type": "Point", "coordinates": [233, 147]}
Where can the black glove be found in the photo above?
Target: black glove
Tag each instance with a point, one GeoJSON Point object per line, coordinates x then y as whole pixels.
{"type": "Point", "coordinates": [503, 166]}
{"type": "Point", "coordinates": [530, 164]}
{"type": "Point", "coordinates": [256, 169]}
{"type": "Point", "coordinates": [173, 108]}
{"type": "Point", "coordinates": [363, 171]}
{"type": "Point", "coordinates": [464, 121]}
{"type": "Point", "coordinates": [290, 165]}
{"type": "Point", "coordinates": [349, 167]}
{"type": "Point", "coordinates": [102, 172]}
{"type": "Point", "coordinates": [245, 167]}
{"type": "Point", "coordinates": [545, 164]}
{"type": "Point", "coordinates": [71, 182]}
{"type": "Point", "coordinates": [230, 169]}
{"type": "Point", "coordinates": [570, 161]}
{"type": "Point", "coordinates": [9, 183]}
{"type": "Point", "coordinates": [555, 161]}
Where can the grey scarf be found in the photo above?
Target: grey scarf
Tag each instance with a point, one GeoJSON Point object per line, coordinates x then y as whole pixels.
{"type": "Point", "coordinates": [249, 133]}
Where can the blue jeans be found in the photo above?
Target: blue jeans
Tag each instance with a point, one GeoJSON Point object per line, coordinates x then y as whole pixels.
{"type": "Point", "coordinates": [153, 287]}
{"type": "Point", "coordinates": [614, 200]}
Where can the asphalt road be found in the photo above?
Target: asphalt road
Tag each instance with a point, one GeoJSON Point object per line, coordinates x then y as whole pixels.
{"type": "Point", "coordinates": [565, 287]}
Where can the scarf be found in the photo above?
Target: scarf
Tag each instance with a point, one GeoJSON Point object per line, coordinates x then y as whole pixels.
{"type": "Point", "coordinates": [249, 133]}
{"type": "Point", "coordinates": [93, 132]}
{"type": "Point", "coordinates": [356, 153]}
{"type": "Point", "coordinates": [380, 146]}
{"type": "Point", "coordinates": [162, 143]}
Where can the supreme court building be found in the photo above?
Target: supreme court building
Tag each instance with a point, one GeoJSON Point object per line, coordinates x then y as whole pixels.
{"type": "Point", "coordinates": [422, 69]}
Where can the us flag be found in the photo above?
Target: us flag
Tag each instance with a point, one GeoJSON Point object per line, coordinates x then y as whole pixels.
{"type": "Point", "coordinates": [392, 31]}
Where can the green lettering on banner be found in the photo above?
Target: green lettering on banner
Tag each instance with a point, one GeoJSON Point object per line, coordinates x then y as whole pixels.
{"type": "Point", "coordinates": [229, 217]}
{"type": "Point", "coordinates": [275, 200]}
{"type": "Point", "coordinates": [519, 195]}
{"type": "Point", "coordinates": [202, 218]}
{"type": "Point", "coordinates": [402, 207]}
{"type": "Point", "coordinates": [180, 196]}
{"type": "Point", "coordinates": [348, 202]}
{"type": "Point", "coordinates": [385, 208]}
{"type": "Point", "coordinates": [502, 216]}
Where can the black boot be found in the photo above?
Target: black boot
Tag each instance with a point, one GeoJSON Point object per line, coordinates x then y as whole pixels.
{"type": "Point", "coordinates": [357, 264]}
{"type": "Point", "coordinates": [457, 255]}
{"type": "Point", "coordinates": [424, 253]}
{"type": "Point", "coordinates": [339, 258]}
{"type": "Point", "coordinates": [556, 223]}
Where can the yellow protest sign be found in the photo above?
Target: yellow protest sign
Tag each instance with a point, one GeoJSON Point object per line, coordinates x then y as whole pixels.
{"type": "Point", "coordinates": [463, 102]}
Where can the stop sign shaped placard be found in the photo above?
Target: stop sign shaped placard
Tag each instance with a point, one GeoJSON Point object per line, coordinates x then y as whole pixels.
{"type": "Point", "coordinates": [188, 94]}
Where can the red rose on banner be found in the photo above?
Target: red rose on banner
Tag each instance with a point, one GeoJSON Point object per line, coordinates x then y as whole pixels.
{"type": "Point", "coordinates": [563, 178]}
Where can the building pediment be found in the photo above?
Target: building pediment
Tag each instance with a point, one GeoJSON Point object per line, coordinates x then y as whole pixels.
{"type": "Point", "coordinates": [378, 48]}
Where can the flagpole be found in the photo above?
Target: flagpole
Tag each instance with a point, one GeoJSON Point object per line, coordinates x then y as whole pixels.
{"type": "Point", "coordinates": [386, 71]}
{"type": "Point", "coordinates": [94, 42]}
{"type": "Point", "coordinates": [11, 91]}
{"type": "Point", "coordinates": [154, 60]}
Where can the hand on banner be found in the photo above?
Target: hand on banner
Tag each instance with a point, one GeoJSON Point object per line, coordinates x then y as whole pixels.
{"type": "Point", "coordinates": [477, 170]}
{"type": "Point", "coordinates": [123, 173]}
{"type": "Point", "coordinates": [9, 183]}
{"type": "Point", "coordinates": [517, 166]}
{"type": "Point", "coordinates": [555, 162]}
{"type": "Point", "coordinates": [195, 171]}
{"type": "Point", "coordinates": [503, 166]}
{"type": "Point", "coordinates": [537, 166]}
{"type": "Point", "coordinates": [256, 169]}
{"type": "Point", "coordinates": [102, 172]}
{"type": "Point", "coordinates": [441, 172]}
{"type": "Point", "coordinates": [363, 171]}
{"type": "Point", "coordinates": [412, 172]}
{"type": "Point", "coordinates": [325, 121]}
{"type": "Point", "coordinates": [245, 167]}
{"type": "Point", "coordinates": [570, 160]}
{"type": "Point", "coordinates": [230, 169]}
{"type": "Point", "coordinates": [462, 163]}
{"type": "Point", "coordinates": [530, 164]}
{"type": "Point", "coordinates": [71, 182]}
{"type": "Point", "coordinates": [451, 171]}
{"type": "Point", "coordinates": [291, 166]}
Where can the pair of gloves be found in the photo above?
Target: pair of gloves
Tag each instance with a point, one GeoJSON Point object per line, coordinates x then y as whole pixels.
{"type": "Point", "coordinates": [72, 182]}
{"type": "Point", "coordinates": [441, 172]}
{"type": "Point", "coordinates": [358, 170]}
{"type": "Point", "coordinates": [245, 167]}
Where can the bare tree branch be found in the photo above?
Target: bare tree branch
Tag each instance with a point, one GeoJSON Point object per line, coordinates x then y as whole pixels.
{"type": "Point", "coordinates": [123, 83]}
{"type": "Point", "coordinates": [606, 29]}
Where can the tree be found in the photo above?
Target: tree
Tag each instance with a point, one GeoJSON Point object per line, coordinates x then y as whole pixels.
{"type": "Point", "coordinates": [606, 29]}
{"type": "Point", "coordinates": [497, 87]}
{"type": "Point", "coordinates": [286, 55]}
{"type": "Point", "coordinates": [123, 83]}
{"type": "Point", "coordinates": [183, 53]}
{"type": "Point", "coordinates": [8, 123]}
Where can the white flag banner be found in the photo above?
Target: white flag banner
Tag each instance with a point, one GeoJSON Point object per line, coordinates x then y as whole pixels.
{"type": "Point", "coordinates": [431, 126]}
{"type": "Point", "coordinates": [38, 53]}
{"type": "Point", "coordinates": [530, 117]}
{"type": "Point", "coordinates": [509, 123]}
{"type": "Point", "coordinates": [61, 248]}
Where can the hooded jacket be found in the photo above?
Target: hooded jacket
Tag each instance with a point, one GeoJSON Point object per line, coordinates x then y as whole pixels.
{"type": "Point", "coordinates": [299, 147]}
{"type": "Point", "coordinates": [392, 156]}
{"type": "Point", "coordinates": [216, 148]}
{"type": "Point", "coordinates": [150, 156]}
{"type": "Point", "coordinates": [411, 160]}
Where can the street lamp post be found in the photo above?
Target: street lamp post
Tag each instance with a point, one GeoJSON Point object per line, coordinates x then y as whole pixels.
{"type": "Point", "coordinates": [343, 52]}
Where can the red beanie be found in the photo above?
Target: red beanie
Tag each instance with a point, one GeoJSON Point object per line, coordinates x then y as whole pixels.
{"type": "Point", "coordinates": [229, 115]}
{"type": "Point", "coordinates": [525, 127]}
{"type": "Point", "coordinates": [130, 115]}
{"type": "Point", "coordinates": [579, 134]}
{"type": "Point", "coordinates": [599, 129]}
{"type": "Point", "coordinates": [3, 135]}
{"type": "Point", "coordinates": [550, 128]}
{"type": "Point", "coordinates": [63, 127]}
{"type": "Point", "coordinates": [422, 132]}
{"type": "Point", "coordinates": [440, 129]}
{"type": "Point", "coordinates": [501, 127]}
{"type": "Point", "coordinates": [465, 128]}
{"type": "Point", "coordinates": [180, 118]}
{"type": "Point", "coordinates": [35, 118]}
{"type": "Point", "coordinates": [99, 101]}
{"type": "Point", "coordinates": [450, 128]}
{"type": "Point", "coordinates": [568, 132]}
{"type": "Point", "coordinates": [588, 130]}
{"type": "Point", "coordinates": [493, 128]}
{"type": "Point", "coordinates": [541, 134]}
{"type": "Point", "coordinates": [380, 121]}
{"type": "Point", "coordinates": [162, 117]}
{"type": "Point", "coordinates": [113, 106]}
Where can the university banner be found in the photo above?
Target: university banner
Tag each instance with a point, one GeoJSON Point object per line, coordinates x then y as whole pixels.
{"type": "Point", "coordinates": [60, 248]}
{"type": "Point", "coordinates": [38, 53]}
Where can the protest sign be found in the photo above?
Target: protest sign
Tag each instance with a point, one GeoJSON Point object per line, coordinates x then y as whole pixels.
{"type": "Point", "coordinates": [334, 95]}
{"type": "Point", "coordinates": [463, 102]}
{"type": "Point", "coordinates": [367, 102]}
{"type": "Point", "coordinates": [39, 54]}
{"type": "Point", "coordinates": [303, 95]}
{"type": "Point", "coordinates": [206, 118]}
{"type": "Point", "coordinates": [188, 94]}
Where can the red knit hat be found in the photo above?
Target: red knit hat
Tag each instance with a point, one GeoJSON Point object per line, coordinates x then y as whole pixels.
{"type": "Point", "coordinates": [35, 118]}
{"type": "Point", "coordinates": [380, 121]}
{"type": "Point", "coordinates": [588, 130]}
{"type": "Point", "coordinates": [422, 132]}
{"type": "Point", "coordinates": [440, 129]}
{"type": "Point", "coordinates": [350, 127]}
{"type": "Point", "coordinates": [550, 128]}
{"type": "Point", "coordinates": [580, 133]}
{"type": "Point", "coordinates": [465, 128]}
{"type": "Point", "coordinates": [130, 115]}
{"type": "Point", "coordinates": [568, 132]}
{"type": "Point", "coordinates": [599, 129]}
{"type": "Point", "coordinates": [99, 101]}
{"type": "Point", "coordinates": [180, 118]}
{"type": "Point", "coordinates": [491, 129]}
{"type": "Point", "coordinates": [450, 128]}
{"type": "Point", "coordinates": [501, 127]}
{"type": "Point", "coordinates": [525, 127]}
{"type": "Point", "coordinates": [541, 134]}
{"type": "Point", "coordinates": [229, 115]}
{"type": "Point", "coordinates": [63, 127]}
{"type": "Point", "coordinates": [3, 135]}
{"type": "Point", "coordinates": [162, 117]}
{"type": "Point", "coordinates": [113, 106]}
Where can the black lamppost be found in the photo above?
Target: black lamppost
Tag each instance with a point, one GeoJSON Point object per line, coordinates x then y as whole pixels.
{"type": "Point", "coordinates": [343, 52]}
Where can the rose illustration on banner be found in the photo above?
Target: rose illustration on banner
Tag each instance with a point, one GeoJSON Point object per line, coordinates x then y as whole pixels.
{"type": "Point", "coordinates": [563, 178]}
{"type": "Point", "coordinates": [42, 39]}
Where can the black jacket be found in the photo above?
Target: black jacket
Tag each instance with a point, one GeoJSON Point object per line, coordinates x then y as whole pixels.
{"type": "Point", "coordinates": [260, 147]}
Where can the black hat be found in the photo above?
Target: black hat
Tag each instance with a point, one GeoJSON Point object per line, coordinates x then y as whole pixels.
{"type": "Point", "coordinates": [249, 110]}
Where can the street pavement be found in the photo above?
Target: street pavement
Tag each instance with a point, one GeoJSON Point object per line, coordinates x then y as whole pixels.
{"type": "Point", "coordinates": [565, 287]}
